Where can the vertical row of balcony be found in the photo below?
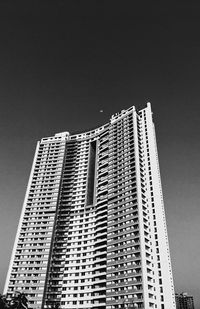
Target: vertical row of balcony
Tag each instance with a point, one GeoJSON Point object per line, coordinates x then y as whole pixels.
{"type": "Point", "coordinates": [78, 270]}
{"type": "Point", "coordinates": [53, 291]}
{"type": "Point", "coordinates": [31, 255]}
{"type": "Point", "coordinates": [147, 233]}
{"type": "Point", "coordinates": [124, 277]}
{"type": "Point", "coordinates": [99, 286]}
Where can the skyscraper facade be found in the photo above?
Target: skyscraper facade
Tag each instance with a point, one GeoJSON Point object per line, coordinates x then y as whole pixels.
{"type": "Point", "coordinates": [92, 232]}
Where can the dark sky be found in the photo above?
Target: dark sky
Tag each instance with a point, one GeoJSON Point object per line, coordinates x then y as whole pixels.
{"type": "Point", "coordinates": [61, 62]}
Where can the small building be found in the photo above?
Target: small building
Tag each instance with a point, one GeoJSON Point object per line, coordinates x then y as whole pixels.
{"type": "Point", "coordinates": [184, 301]}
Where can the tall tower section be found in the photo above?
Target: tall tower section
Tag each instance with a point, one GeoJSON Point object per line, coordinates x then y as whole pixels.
{"type": "Point", "coordinates": [92, 233]}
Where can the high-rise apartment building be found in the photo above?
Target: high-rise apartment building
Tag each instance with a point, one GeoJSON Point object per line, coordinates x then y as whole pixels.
{"type": "Point", "coordinates": [184, 301]}
{"type": "Point", "coordinates": [92, 232]}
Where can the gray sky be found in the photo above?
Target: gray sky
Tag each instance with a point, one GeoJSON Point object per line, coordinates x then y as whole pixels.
{"type": "Point", "coordinates": [61, 63]}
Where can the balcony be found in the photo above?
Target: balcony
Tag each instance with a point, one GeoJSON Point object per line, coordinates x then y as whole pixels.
{"type": "Point", "coordinates": [127, 291]}
{"type": "Point", "coordinates": [124, 253]}
{"type": "Point", "coordinates": [131, 259]}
